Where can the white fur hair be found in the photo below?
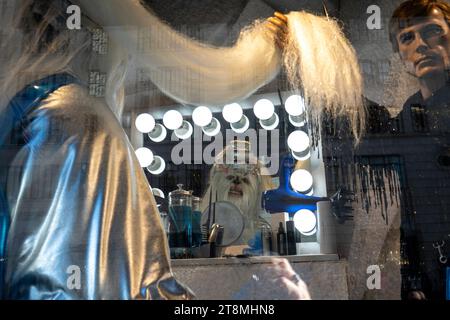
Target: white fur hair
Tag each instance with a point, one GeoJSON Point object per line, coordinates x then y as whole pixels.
{"type": "Point", "coordinates": [220, 183]}
{"type": "Point", "coordinates": [237, 164]}
{"type": "Point", "coordinates": [28, 53]}
{"type": "Point", "coordinates": [318, 58]}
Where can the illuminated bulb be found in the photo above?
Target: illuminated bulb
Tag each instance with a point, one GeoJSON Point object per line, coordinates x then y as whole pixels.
{"type": "Point", "coordinates": [242, 125]}
{"type": "Point", "coordinates": [271, 123]}
{"type": "Point", "coordinates": [202, 116]}
{"type": "Point", "coordinates": [145, 157]}
{"type": "Point", "coordinates": [302, 181]}
{"type": "Point", "coordinates": [173, 120]}
{"type": "Point", "coordinates": [158, 134]}
{"type": "Point", "coordinates": [213, 128]}
{"type": "Point", "coordinates": [185, 132]}
{"type": "Point", "coordinates": [157, 166]}
{"type": "Point", "coordinates": [306, 222]}
{"type": "Point", "coordinates": [145, 123]}
{"type": "Point", "coordinates": [264, 109]}
{"type": "Point", "coordinates": [298, 141]}
{"type": "Point", "coordinates": [232, 113]}
{"type": "Point", "coordinates": [297, 121]}
{"type": "Point", "coordinates": [158, 193]}
{"type": "Point", "coordinates": [295, 107]}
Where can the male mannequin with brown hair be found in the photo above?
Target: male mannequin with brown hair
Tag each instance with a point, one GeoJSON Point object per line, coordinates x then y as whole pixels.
{"type": "Point", "coordinates": [420, 33]}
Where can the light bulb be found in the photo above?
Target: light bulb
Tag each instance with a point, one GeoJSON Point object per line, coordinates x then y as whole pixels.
{"type": "Point", "coordinates": [306, 222]}
{"type": "Point", "coordinates": [158, 193]}
{"type": "Point", "coordinates": [213, 128]}
{"type": "Point", "coordinates": [145, 157]}
{"type": "Point", "coordinates": [173, 120]}
{"type": "Point", "coordinates": [271, 123]}
{"type": "Point", "coordinates": [295, 105]}
{"type": "Point", "coordinates": [264, 109]}
{"type": "Point", "coordinates": [242, 125]}
{"type": "Point", "coordinates": [157, 166]}
{"type": "Point", "coordinates": [232, 113]}
{"type": "Point", "coordinates": [302, 181]}
{"type": "Point", "coordinates": [297, 121]}
{"type": "Point", "coordinates": [202, 116]}
{"type": "Point", "coordinates": [298, 141]}
{"type": "Point", "coordinates": [158, 134]}
{"type": "Point", "coordinates": [185, 132]}
{"type": "Point", "coordinates": [145, 123]}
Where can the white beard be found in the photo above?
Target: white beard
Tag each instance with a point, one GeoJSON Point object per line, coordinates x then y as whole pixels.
{"type": "Point", "coordinates": [246, 194]}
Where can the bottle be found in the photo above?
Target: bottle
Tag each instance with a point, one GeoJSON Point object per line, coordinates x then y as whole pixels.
{"type": "Point", "coordinates": [266, 240]}
{"type": "Point", "coordinates": [281, 240]}
{"type": "Point", "coordinates": [291, 241]}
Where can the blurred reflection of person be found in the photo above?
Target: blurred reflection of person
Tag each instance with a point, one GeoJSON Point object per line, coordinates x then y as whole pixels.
{"type": "Point", "coordinates": [420, 34]}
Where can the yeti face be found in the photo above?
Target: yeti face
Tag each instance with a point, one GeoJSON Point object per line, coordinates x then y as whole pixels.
{"type": "Point", "coordinates": [238, 183]}
{"type": "Point", "coordinates": [242, 188]}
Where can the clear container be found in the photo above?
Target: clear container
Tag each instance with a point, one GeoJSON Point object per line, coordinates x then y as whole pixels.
{"type": "Point", "coordinates": [180, 218]}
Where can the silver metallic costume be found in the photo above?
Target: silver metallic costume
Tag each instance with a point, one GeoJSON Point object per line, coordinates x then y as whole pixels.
{"type": "Point", "coordinates": [78, 200]}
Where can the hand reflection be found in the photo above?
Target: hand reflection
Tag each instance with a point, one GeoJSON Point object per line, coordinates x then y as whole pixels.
{"type": "Point", "coordinates": [275, 281]}
{"type": "Point", "coordinates": [287, 283]}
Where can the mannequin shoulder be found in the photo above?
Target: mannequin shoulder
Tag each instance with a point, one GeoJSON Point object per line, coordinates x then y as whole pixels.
{"type": "Point", "coordinates": [73, 99]}
{"type": "Point", "coordinates": [71, 111]}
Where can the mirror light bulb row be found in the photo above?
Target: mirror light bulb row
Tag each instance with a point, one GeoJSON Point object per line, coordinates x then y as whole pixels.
{"type": "Point", "coordinates": [233, 113]}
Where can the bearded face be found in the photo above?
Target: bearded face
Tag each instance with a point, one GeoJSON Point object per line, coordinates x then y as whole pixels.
{"type": "Point", "coordinates": [240, 187]}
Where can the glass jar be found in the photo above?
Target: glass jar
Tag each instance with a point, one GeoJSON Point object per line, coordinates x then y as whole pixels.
{"type": "Point", "coordinates": [180, 218]}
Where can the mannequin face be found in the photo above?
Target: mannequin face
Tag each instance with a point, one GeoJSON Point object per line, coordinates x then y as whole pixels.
{"type": "Point", "coordinates": [425, 46]}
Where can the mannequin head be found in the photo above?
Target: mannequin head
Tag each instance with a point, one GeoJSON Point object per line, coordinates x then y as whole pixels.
{"type": "Point", "coordinates": [420, 33]}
